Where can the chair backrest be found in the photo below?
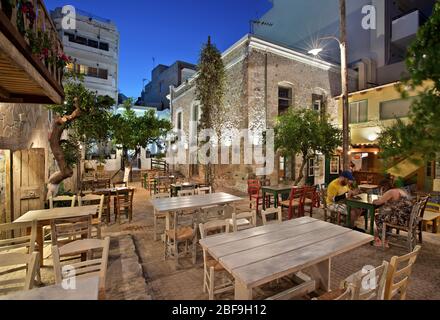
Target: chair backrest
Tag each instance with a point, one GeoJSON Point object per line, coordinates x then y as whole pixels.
{"type": "Point", "coordinates": [92, 199]}
{"type": "Point", "coordinates": [160, 196]}
{"type": "Point", "coordinates": [71, 229]}
{"type": "Point", "coordinates": [278, 212]}
{"type": "Point", "coordinates": [125, 194]}
{"type": "Point", "coordinates": [95, 265]}
{"type": "Point", "coordinates": [251, 216]}
{"type": "Point", "coordinates": [102, 184]}
{"type": "Point", "coordinates": [297, 193]}
{"type": "Point", "coordinates": [368, 284]}
{"type": "Point", "coordinates": [70, 200]}
{"type": "Point", "coordinates": [214, 213]}
{"type": "Point", "coordinates": [15, 259]}
{"type": "Point", "coordinates": [186, 193]}
{"type": "Point", "coordinates": [399, 273]}
{"type": "Point", "coordinates": [204, 190]}
{"type": "Point", "coordinates": [16, 236]}
{"type": "Point", "coordinates": [423, 202]}
{"type": "Point", "coordinates": [220, 226]}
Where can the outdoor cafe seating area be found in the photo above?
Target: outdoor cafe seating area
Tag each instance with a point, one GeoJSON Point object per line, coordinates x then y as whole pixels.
{"type": "Point", "coordinates": [279, 236]}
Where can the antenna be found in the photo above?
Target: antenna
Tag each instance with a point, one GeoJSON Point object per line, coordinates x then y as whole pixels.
{"type": "Point", "coordinates": [154, 62]}
{"type": "Point", "coordinates": [252, 24]}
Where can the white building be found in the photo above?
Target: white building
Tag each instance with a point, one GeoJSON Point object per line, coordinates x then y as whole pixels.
{"type": "Point", "coordinates": [94, 48]}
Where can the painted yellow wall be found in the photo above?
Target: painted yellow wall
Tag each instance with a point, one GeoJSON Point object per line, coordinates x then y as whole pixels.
{"type": "Point", "coordinates": [360, 133]}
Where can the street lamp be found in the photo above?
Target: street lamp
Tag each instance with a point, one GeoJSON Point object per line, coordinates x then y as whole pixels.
{"type": "Point", "coordinates": [344, 81]}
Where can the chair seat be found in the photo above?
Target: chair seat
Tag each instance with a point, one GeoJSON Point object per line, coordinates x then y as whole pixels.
{"type": "Point", "coordinates": [308, 201]}
{"type": "Point", "coordinates": [213, 263]}
{"type": "Point", "coordinates": [184, 233]}
{"type": "Point", "coordinates": [96, 222]}
{"type": "Point", "coordinates": [332, 295]}
{"type": "Point", "coordinates": [240, 222]}
{"type": "Point", "coordinates": [295, 203]}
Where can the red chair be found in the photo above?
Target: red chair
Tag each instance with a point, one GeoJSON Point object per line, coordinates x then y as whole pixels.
{"type": "Point", "coordinates": [256, 194]}
{"type": "Point", "coordinates": [311, 199]}
{"type": "Point", "coordinates": [296, 200]}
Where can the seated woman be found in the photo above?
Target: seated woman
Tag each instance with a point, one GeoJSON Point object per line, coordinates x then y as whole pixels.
{"type": "Point", "coordinates": [396, 207]}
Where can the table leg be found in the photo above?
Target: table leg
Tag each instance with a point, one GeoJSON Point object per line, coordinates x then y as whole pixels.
{"type": "Point", "coordinates": [321, 274]}
{"type": "Point", "coordinates": [348, 216]}
{"type": "Point", "coordinates": [241, 291]}
{"type": "Point", "coordinates": [435, 224]}
{"type": "Point", "coordinates": [264, 201]}
{"type": "Point", "coordinates": [40, 244]}
{"type": "Point", "coordinates": [275, 201]}
{"type": "Point", "coordinates": [372, 212]}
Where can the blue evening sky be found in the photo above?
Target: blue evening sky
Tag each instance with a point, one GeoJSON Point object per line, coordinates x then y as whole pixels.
{"type": "Point", "coordinates": [168, 30]}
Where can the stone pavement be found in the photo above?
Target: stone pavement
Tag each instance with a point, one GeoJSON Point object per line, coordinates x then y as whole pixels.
{"type": "Point", "coordinates": [137, 270]}
{"type": "Point", "coordinates": [163, 281]}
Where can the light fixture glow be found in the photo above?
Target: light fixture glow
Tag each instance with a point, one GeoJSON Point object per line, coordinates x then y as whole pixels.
{"type": "Point", "coordinates": [315, 51]}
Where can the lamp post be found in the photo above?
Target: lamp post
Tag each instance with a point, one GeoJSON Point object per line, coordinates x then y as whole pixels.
{"type": "Point", "coordinates": [344, 82]}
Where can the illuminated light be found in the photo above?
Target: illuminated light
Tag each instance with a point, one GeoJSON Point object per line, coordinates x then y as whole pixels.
{"type": "Point", "coordinates": [315, 52]}
{"type": "Point", "coordinates": [373, 137]}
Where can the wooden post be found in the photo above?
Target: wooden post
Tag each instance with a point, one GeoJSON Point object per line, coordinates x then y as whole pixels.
{"type": "Point", "coordinates": [344, 77]}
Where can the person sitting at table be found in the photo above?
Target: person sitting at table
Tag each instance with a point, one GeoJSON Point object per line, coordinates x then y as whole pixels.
{"type": "Point", "coordinates": [338, 191]}
{"type": "Point", "coordinates": [396, 207]}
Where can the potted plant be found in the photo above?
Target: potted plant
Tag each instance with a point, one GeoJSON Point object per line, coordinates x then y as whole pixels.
{"type": "Point", "coordinates": [101, 164]}
{"type": "Point", "coordinates": [113, 154]}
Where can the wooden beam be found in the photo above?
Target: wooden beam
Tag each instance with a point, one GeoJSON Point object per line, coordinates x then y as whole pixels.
{"type": "Point", "coordinates": [4, 93]}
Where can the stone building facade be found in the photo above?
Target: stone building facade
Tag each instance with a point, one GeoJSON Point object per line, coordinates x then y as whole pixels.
{"type": "Point", "coordinates": [256, 71]}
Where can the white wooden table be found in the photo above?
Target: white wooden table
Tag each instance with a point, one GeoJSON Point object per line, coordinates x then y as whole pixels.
{"type": "Point", "coordinates": [193, 202]}
{"type": "Point", "coordinates": [260, 255]}
{"type": "Point", "coordinates": [44, 217]}
{"type": "Point", "coordinates": [86, 289]}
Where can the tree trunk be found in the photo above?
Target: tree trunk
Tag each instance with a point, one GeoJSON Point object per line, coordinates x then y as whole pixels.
{"type": "Point", "coordinates": [65, 170]}
{"type": "Point", "coordinates": [301, 171]}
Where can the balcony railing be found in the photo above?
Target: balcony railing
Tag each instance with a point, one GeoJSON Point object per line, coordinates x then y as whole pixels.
{"type": "Point", "coordinates": [405, 27]}
{"type": "Point", "coordinates": [29, 27]}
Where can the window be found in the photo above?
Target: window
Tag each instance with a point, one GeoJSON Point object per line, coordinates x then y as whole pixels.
{"type": "Point", "coordinates": [284, 99]}
{"type": "Point", "coordinates": [395, 108]}
{"type": "Point", "coordinates": [196, 113]}
{"type": "Point", "coordinates": [359, 111]}
{"type": "Point", "coordinates": [317, 106]}
{"type": "Point", "coordinates": [92, 72]}
{"type": "Point", "coordinates": [81, 40]}
{"type": "Point", "coordinates": [93, 43]}
{"type": "Point", "coordinates": [311, 167]}
{"type": "Point", "coordinates": [104, 46]}
{"type": "Point", "coordinates": [179, 120]}
{"type": "Point", "coordinates": [71, 36]}
{"type": "Point", "coordinates": [103, 74]}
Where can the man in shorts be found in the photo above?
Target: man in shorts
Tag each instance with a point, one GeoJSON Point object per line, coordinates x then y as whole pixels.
{"type": "Point", "coordinates": [338, 191]}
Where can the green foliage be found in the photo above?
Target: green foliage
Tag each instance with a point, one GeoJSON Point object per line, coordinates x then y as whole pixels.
{"type": "Point", "coordinates": [421, 135]}
{"type": "Point", "coordinates": [305, 132]}
{"type": "Point", "coordinates": [210, 85]}
{"type": "Point", "coordinates": [133, 132]}
{"type": "Point", "coordinates": [71, 151]}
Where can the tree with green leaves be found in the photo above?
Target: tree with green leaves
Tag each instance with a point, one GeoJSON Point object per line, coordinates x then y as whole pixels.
{"type": "Point", "coordinates": [85, 116]}
{"type": "Point", "coordinates": [210, 89]}
{"type": "Point", "coordinates": [421, 135]}
{"type": "Point", "coordinates": [133, 132]}
{"type": "Point", "coordinates": [305, 132]}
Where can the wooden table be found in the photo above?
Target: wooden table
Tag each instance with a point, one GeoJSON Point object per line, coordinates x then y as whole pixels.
{"type": "Point", "coordinates": [258, 256]}
{"type": "Point", "coordinates": [44, 218]}
{"type": "Point", "coordinates": [363, 201]}
{"type": "Point", "coordinates": [176, 187]}
{"type": "Point", "coordinates": [368, 187]}
{"type": "Point", "coordinates": [193, 202]}
{"type": "Point", "coordinates": [87, 289]}
{"type": "Point", "coordinates": [276, 191]}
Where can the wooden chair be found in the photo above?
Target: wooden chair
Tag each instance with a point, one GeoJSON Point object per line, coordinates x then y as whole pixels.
{"type": "Point", "coordinates": [431, 217]}
{"type": "Point", "coordinates": [204, 190]}
{"type": "Point", "coordinates": [186, 193]}
{"type": "Point", "coordinates": [278, 212]}
{"type": "Point", "coordinates": [180, 234]}
{"type": "Point", "coordinates": [68, 230]}
{"type": "Point", "coordinates": [296, 200]}
{"type": "Point", "coordinates": [399, 273]}
{"type": "Point", "coordinates": [339, 294]}
{"type": "Point", "coordinates": [102, 183]}
{"type": "Point", "coordinates": [329, 215]}
{"type": "Point", "coordinates": [243, 221]}
{"type": "Point", "coordinates": [414, 227]}
{"type": "Point", "coordinates": [95, 250]}
{"type": "Point", "coordinates": [96, 220]}
{"type": "Point", "coordinates": [70, 201]}
{"type": "Point", "coordinates": [211, 267]}
{"type": "Point", "coordinates": [124, 203]}
{"type": "Point", "coordinates": [310, 199]}
{"type": "Point", "coordinates": [120, 184]}
{"type": "Point", "coordinates": [161, 216]}
{"type": "Point", "coordinates": [215, 213]}
{"type": "Point", "coordinates": [368, 284]}
{"type": "Point", "coordinates": [17, 248]}
{"type": "Point", "coordinates": [256, 195]}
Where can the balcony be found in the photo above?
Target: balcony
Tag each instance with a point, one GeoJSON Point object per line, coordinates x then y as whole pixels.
{"type": "Point", "coordinates": [31, 54]}
{"type": "Point", "coordinates": [405, 28]}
